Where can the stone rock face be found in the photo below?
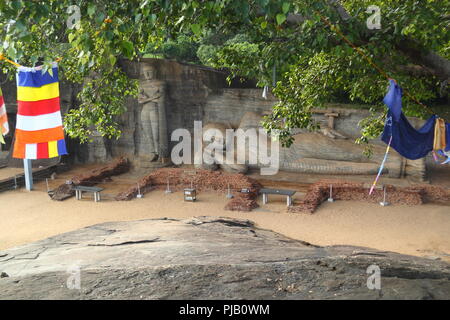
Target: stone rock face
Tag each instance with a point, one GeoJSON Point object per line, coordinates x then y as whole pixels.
{"type": "Point", "coordinates": [234, 168]}
{"type": "Point", "coordinates": [229, 105]}
{"type": "Point", "coordinates": [208, 258]}
{"type": "Point", "coordinates": [218, 140]}
{"type": "Point", "coordinates": [320, 154]}
{"type": "Point", "coordinates": [336, 157]}
{"type": "Point", "coordinates": [97, 150]}
{"type": "Point", "coordinates": [250, 120]}
{"type": "Point", "coordinates": [217, 132]}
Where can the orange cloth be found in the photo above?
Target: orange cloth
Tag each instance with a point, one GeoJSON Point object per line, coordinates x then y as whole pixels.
{"type": "Point", "coordinates": [440, 142]}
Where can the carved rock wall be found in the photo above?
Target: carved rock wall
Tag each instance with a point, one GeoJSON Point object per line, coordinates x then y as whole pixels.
{"type": "Point", "coordinates": [189, 93]}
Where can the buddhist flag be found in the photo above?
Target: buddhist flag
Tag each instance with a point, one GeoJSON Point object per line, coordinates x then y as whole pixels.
{"type": "Point", "coordinates": [39, 131]}
{"type": "Point", "coordinates": [4, 127]}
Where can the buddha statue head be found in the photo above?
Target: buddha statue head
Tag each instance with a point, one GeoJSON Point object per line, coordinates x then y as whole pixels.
{"type": "Point", "coordinates": [147, 72]}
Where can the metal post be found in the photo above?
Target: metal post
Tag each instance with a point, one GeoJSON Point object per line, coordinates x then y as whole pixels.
{"type": "Point", "coordinates": [28, 174]}
{"type": "Point", "coordinates": [265, 198]}
{"type": "Point", "coordinates": [384, 203]}
{"type": "Point", "coordinates": [168, 187]}
{"type": "Point", "coordinates": [229, 195]}
{"type": "Point", "coordinates": [139, 195]}
{"type": "Point", "coordinates": [330, 199]}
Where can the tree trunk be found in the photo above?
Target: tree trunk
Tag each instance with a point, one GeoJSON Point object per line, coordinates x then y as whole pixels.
{"type": "Point", "coordinates": [439, 66]}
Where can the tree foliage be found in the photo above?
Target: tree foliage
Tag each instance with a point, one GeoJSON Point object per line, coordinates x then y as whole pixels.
{"type": "Point", "coordinates": [313, 65]}
{"type": "Point", "coordinates": [182, 49]}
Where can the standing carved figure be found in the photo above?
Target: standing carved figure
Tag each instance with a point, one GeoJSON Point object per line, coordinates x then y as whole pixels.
{"type": "Point", "coordinates": [154, 143]}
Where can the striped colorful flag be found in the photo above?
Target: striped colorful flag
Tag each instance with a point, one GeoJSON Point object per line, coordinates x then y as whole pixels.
{"type": "Point", "coordinates": [4, 127]}
{"type": "Point", "coordinates": [39, 131]}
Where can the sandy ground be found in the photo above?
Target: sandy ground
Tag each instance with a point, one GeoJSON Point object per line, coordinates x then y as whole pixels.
{"type": "Point", "coordinates": [6, 173]}
{"type": "Point", "coordinates": [421, 230]}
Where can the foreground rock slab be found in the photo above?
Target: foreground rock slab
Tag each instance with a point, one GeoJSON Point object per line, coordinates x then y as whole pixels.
{"type": "Point", "coordinates": [207, 258]}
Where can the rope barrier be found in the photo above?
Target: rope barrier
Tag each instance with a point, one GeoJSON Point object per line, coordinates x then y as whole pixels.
{"type": "Point", "coordinates": [113, 183]}
{"type": "Point", "coordinates": [174, 188]}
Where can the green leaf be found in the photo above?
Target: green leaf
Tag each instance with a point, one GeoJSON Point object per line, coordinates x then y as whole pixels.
{"type": "Point", "coordinates": [281, 18]}
{"type": "Point", "coordinates": [91, 9]}
{"type": "Point", "coordinates": [127, 48]}
{"type": "Point", "coordinates": [109, 35]}
{"type": "Point", "coordinates": [26, 38]}
{"type": "Point", "coordinates": [286, 6]}
{"type": "Point", "coordinates": [71, 36]}
{"type": "Point", "coordinates": [196, 29]}
{"type": "Point", "coordinates": [112, 60]}
{"type": "Point", "coordinates": [20, 26]}
{"type": "Point", "coordinates": [16, 4]}
{"type": "Point", "coordinates": [99, 18]}
{"type": "Point", "coordinates": [11, 52]}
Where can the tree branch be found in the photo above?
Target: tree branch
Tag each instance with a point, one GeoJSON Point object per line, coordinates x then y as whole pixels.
{"type": "Point", "coordinates": [439, 66]}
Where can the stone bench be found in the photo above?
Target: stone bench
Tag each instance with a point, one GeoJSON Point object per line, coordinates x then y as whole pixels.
{"type": "Point", "coordinates": [80, 189]}
{"type": "Point", "coordinates": [287, 193]}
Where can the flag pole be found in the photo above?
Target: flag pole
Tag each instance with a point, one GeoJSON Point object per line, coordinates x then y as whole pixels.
{"type": "Point", "coordinates": [28, 174]}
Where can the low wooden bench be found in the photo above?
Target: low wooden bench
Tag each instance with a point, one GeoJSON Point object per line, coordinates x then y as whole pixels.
{"type": "Point", "coordinates": [288, 193]}
{"type": "Point", "coordinates": [80, 189]}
